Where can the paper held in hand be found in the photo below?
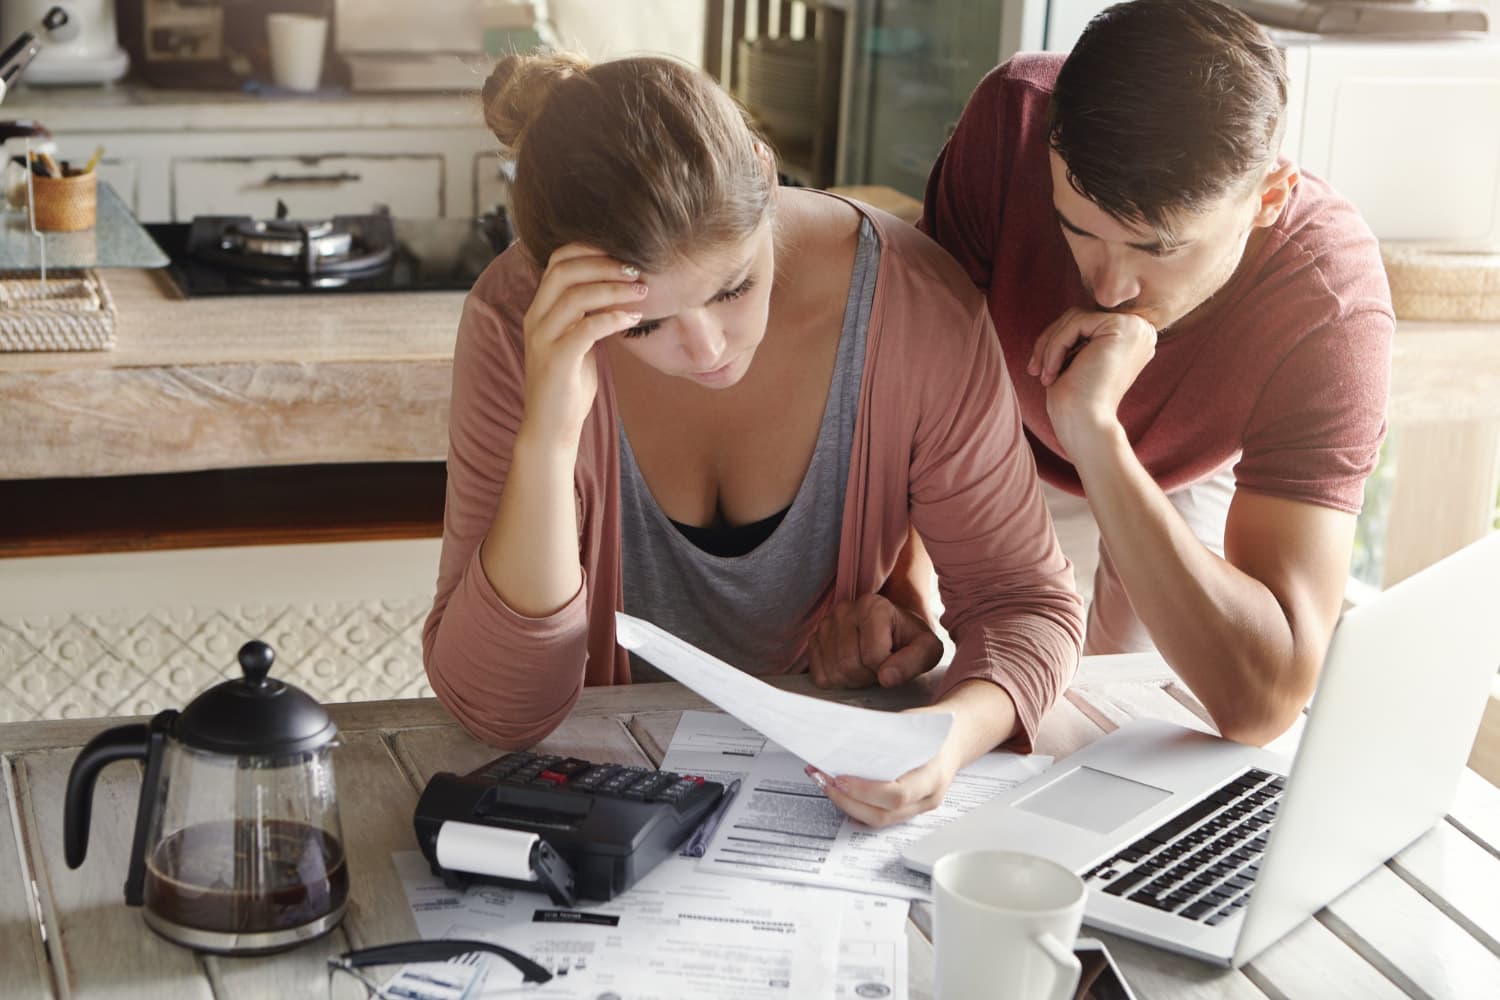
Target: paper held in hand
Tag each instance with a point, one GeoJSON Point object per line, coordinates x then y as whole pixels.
{"type": "Point", "coordinates": [836, 739]}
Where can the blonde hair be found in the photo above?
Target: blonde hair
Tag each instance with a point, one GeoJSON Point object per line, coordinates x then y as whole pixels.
{"type": "Point", "coordinates": [646, 158]}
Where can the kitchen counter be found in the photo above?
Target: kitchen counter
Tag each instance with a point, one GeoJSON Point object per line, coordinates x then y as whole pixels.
{"type": "Point", "coordinates": [233, 382]}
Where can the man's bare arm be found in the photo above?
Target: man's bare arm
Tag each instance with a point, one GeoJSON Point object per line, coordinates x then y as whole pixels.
{"type": "Point", "coordinates": [1247, 632]}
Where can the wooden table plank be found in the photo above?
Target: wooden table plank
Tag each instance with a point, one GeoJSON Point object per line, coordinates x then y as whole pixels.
{"type": "Point", "coordinates": [1066, 728]}
{"type": "Point", "coordinates": [377, 800]}
{"type": "Point", "coordinates": [99, 945]}
{"type": "Point", "coordinates": [654, 731]}
{"type": "Point", "coordinates": [1114, 705]}
{"type": "Point", "coordinates": [301, 972]}
{"type": "Point", "coordinates": [1311, 962]}
{"type": "Point", "coordinates": [1411, 941]}
{"type": "Point", "coordinates": [1122, 668]}
{"type": "Point", "coordinates": [1458, 877]}
{"type": "Point", "coordinates": [21, 954]}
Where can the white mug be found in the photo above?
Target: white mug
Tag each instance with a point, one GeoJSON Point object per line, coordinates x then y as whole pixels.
{"type": "Point", "coordinates": [1004, 925]}
{"type": "Point", "coordinates": [296, 49]}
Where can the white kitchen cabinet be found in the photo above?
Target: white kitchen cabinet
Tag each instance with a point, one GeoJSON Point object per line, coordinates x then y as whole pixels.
{"type": "Point", "coordinates": [1407, 130]}
{"type": "Point", "coordinates": [120, 175]}
{"type": "Point", "coordinates": [309, 186]}
{"type": "Point", "coordinates": [174, 154]}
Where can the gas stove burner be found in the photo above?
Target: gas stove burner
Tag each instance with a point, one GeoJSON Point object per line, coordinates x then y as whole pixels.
{"type": "Point", "coordinates": [285, 283]}
{"type": "Point", "coordinates": [289, 238]}
{"type": "Point", "coordinates": [311, 251]}
{"type": "Point", "coordinates": [219, 255]}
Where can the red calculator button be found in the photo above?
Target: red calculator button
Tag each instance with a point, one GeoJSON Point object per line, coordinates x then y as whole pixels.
{"type": "Point", "coordinates": [554, 777]}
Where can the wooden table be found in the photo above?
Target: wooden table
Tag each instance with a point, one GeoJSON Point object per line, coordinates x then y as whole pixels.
{"type": "Point", "coordinates": [1426, 924]}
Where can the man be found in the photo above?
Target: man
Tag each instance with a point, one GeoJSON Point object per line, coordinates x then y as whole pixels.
{"type": "Point", "coordinates": [1200, 338]}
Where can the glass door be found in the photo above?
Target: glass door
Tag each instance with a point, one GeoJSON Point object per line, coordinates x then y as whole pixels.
{"type": "Point", "coordinates": [912, 65]}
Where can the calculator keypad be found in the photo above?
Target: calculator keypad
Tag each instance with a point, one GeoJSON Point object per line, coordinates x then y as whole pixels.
{"type": "Point", "coordinates": [621, 781]}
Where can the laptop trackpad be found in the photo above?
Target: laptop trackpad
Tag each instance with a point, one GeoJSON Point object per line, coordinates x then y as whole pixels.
{"type": "Point", "coordinates": [1094, 800]}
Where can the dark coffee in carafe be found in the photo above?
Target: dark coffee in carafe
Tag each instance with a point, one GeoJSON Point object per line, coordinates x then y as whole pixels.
{"type": "Point", "coordinates": [246, 877]}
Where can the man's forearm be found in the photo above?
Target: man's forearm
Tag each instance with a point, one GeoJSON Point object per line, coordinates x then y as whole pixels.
{"type": "Point", "coordinates": [1220, 629]}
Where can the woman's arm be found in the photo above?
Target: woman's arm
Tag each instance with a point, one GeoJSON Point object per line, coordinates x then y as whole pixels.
{"type": "Point", "coordinates": [506, 643]}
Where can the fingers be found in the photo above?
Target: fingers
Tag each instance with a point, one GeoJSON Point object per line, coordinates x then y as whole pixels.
{"type": "Point", "coordinates": [578, 302]}
{"type": "Point", "coordinates": [910, 660]}
{"type": "Point", "coordinates": [881, 803]}
{"type": "Point", "coordinates": [1069, 334]}
{"type": "Point", "coordinates": [595, 327]}
{"type": "Point", "coordinates": [877, 630]}
{"type": "Point", "coordinates": [869, 641]}
{"type": "Point", "coordinates": [840, 655]}
{"type": "Point", "coordinates": [579, 280]}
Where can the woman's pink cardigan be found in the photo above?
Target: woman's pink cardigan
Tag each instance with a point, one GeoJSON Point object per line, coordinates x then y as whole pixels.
{"type": "Point", "coordinates": [938, 444]}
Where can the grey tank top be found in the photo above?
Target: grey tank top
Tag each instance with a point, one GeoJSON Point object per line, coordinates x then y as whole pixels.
{"type": "Point", "coordinates": [747, 609]}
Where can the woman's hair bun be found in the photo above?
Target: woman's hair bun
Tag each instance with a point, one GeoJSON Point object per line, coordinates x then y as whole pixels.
{"type": "Point", "coordinates": [519, 86]}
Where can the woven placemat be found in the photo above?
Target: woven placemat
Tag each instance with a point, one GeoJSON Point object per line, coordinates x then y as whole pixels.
{"type": "Point", "coordinates": [1445, 286]}
{"type": "Point", "coordinates": [73, 311]}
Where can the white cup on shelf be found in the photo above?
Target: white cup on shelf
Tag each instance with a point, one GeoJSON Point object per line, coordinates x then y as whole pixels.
{"type": "Point", "coordinates": [296, 42]}
{"type": "Point", "coordinates": [1004, 925]}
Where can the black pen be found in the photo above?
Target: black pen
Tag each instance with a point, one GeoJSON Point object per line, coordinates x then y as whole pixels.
{"type": "Point", "coordinates": [697, 844]}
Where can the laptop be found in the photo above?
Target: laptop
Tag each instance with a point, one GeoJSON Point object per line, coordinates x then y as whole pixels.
{"type": "Point", "coordinates": [1215, 849]}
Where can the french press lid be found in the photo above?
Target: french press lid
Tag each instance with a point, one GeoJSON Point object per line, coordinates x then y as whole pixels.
{"type": "Point", "coordinates": [255, 714]}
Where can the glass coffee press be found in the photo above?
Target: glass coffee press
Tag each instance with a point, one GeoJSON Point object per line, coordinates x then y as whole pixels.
{"type": "Point", "coordinates": [237, 845]}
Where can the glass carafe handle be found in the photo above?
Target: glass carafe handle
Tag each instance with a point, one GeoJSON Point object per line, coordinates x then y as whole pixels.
{"type": "Point", "coordinates": [140, 742]}
{"type": "Point", "coordinates": [120, 743]}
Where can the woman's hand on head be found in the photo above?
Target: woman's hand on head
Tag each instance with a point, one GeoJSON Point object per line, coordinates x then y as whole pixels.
{"type": "Point", "coordinates": [871, 641]}
{"type": "Point", "coordinates": [881, 803]}
{"type": "Point", "coordinates": [583, 297]}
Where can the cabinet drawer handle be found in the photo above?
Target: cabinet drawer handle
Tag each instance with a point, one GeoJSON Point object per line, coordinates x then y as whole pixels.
{"type": "Point", "coordinates": [342, 177]}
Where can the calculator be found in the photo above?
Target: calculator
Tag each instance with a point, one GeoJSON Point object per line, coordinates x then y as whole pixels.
{"type": "Point", "coordinates": [611, 823]}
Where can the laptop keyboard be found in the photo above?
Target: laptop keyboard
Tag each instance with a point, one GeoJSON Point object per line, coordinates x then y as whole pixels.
{"type": "Point", "coordinates": [1201, 863]}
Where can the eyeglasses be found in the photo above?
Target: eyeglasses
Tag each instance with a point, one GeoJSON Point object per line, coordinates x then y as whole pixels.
{"type": "Point", "coordinates": [421, 970]}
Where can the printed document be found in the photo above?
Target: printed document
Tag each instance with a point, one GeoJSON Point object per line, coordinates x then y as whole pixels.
{"type": "Point", "coordinates": [835, 738]}
{"type": "Point", "coordinates": [677, 933]}
{"type": "Point", "coordinates": [782, 827]}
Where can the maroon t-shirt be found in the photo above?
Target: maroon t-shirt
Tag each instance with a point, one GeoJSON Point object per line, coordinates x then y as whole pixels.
{"type": "Point", "coordinates": [1288, 368]}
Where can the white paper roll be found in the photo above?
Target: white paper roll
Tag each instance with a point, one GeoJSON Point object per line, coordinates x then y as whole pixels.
{"type": "Point", "coordinates": [486, 850]}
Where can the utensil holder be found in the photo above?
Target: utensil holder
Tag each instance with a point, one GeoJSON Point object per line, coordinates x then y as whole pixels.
{"type": "Point", "coordinates": [64, 204]}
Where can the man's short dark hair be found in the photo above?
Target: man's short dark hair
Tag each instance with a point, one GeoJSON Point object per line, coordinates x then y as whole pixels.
{"type": "Point", "coordinates": [1164, 106]}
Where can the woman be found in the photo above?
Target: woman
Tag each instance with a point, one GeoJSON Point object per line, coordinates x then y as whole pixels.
{"type": "Point", "coordinates": [718, 404]}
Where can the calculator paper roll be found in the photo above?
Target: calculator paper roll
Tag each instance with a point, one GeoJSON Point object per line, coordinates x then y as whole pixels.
{"type": "Point", "coordinates": [486, 850]}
